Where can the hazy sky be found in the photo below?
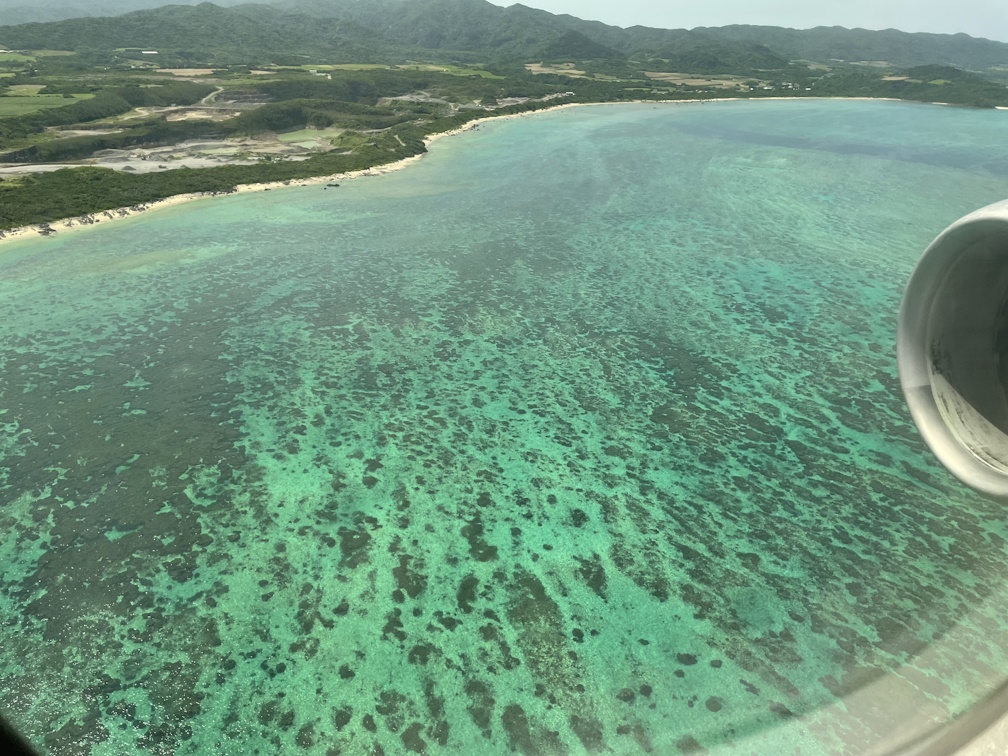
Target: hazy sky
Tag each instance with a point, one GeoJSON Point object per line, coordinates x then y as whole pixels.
{"type": "Point", "coordinates": [980, 18]}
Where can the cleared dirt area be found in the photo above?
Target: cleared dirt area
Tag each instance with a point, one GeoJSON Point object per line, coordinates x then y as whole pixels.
{"type": "Point", "coordinates": [204, 72]}
{"type": "Point", "coordinates": [425, 97]}
{"type": "Point", "coordinates": [204, 153]}
{"type": "Point", "coordinates": [215, 151]}
{"type": "Point", "coordinates": [190, 113]}
{"type": "Point", "coordinates": [64, 133]}
{"type": "Point", "coordinates": [567, 69]}
{"type": "Point", "coordinates": [200, 114]}
{"type": "Point", "coordinates": [309, 139]}
{"type": "Point", "coordinates": [186, 71]}
{"type": "Point", "coordinates": [692, 80]}
{"type": "Point", "coordinates": [207, 109]}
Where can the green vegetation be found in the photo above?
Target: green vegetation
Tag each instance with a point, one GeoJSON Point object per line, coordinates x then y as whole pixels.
{"type": "Point", "coordinates": [221, 35]}
{"type": "Point", "coordinates": [573, 45]}
{"type": "Point", "coordinates": [79, 191]}
{"type": "Point", "coordinates": [14, 57]}
{"type": "Point", "coordinates": [831, 45]}
{"type": "Point", "coordinates": [105, 103]}
{"type": "Point", "coordinates": [12, 104]}
{"type": "Point", "coordinates": [352, 84]}
{"type": "Point", "coordinates": [309, 135]}
{"type": "Point", "coordinates": [293, 32]}
{"type": "Point", "coordinates": [715, 57]}
{"type": "Point", "coordinates": [922, 84]}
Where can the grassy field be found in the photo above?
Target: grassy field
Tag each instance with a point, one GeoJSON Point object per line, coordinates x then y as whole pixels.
{"type": "Point", "coordinates": [17, 103]}
{"type": "Point", "coordinates": [13, 57]}
{"type": "Point", "coordinates": [22, 55]}
{"type": "Point", "coordinates": [26, 90]}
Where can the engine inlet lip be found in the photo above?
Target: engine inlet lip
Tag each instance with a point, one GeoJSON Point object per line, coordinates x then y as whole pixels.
{"type": "Point", "coordinates": [913, 347]}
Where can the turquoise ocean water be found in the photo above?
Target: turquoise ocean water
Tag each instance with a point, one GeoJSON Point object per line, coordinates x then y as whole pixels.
{"type": "Point", "coordinates": [583, 434]}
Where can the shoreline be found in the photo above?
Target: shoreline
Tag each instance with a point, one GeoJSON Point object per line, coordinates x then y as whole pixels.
{"type": "Point", "coordinates": [64, 225]}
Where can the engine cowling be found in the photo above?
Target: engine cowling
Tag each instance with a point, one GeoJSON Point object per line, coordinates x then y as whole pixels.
{"type": "Point", "coordinates": [952, 348]}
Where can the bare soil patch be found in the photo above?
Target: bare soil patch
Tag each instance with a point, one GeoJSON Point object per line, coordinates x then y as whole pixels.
{"type": "Point", "coordinates": [186, 71]}
{"type": "Point", "coordinates": [567, 69]}
{"type": "Point", "coordinates": [693, 80]}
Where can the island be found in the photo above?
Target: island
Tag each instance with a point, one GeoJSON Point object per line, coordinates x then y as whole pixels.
{"type": "Point", "coordinates": [103, 117]}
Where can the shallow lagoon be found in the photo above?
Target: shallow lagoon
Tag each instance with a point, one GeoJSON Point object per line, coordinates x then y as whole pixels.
{"type": "Point", "coordinates": [583, 433]}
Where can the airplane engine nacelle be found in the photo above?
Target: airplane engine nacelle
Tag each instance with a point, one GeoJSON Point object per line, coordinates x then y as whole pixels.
{"type": "Point", "coordinates": [952, 348]}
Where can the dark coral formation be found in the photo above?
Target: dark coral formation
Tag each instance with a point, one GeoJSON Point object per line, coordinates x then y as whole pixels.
{"type": "Point", "coordinates": [579, 467]}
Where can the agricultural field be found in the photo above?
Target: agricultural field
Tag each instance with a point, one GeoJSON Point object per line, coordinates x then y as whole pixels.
{"type": "Point", "coordinates": [21, 56]}
{"type": "Point", "coordinates": [7, 56]}
{"type": "Point", "coordinates": [20, 99]}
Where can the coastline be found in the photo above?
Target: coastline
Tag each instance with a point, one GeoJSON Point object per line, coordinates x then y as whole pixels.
{"type": "Point", "coordinates": [64, 225]}
{"type": "Point", "coordinates": [59, 227]}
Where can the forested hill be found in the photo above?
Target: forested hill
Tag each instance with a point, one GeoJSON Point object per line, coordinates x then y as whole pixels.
{"type": "Point", "coordinates": [208, 31]}
{"type": "Point", "coordinates": [522, 33]}
{"type": "Point", "coordinates": [480, 25]}
{"type": "Point", "coordinates": [826, 44]}
{"type": "Point", "coordinates": [476, 30]}
{"type": "Point", "coordinates": [14, 12]}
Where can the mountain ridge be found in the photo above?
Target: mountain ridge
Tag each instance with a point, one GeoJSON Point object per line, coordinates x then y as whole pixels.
{"type": "Point", "coordinates": [480, 30]}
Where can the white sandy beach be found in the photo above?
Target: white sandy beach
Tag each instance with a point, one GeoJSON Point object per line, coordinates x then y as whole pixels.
{"type": "Point", "coordinates": [107, 216]}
